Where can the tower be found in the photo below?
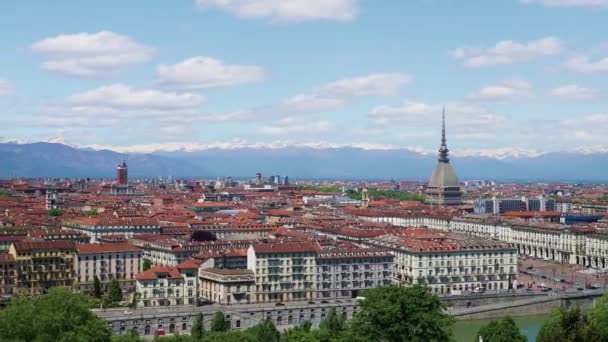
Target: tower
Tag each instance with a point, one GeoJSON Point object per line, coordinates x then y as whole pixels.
{"type": "Point", "coordinates": [122, 174]}
{"type": "Point", "coordinates": [443, 187]}
{"type": "Point", "coordinates": [364, 198]}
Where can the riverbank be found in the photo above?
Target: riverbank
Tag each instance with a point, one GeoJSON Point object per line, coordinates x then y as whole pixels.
{"type": "Point", "coordinates": [465, 331]}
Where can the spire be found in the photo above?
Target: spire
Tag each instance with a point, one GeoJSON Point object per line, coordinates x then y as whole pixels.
{"type": "Point", "coordinates": [443, 150]}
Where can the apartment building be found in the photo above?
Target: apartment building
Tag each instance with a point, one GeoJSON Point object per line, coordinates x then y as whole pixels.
{"type": "Point", "coordinates": [227, 286]}
{"type": "Point", "coordinates": [283, 271]}
{"type": "Point", "coordinates": [166, 286]}
{"type": "Point", "coordinates": [41, 265]}
{"type": "Point", "coordinates": [96, 227]}
{"type": "Point", "coordinates": [447, 263]}
{"type": "Point", "coordinates": [106, 261]}
{"type": "Point", "coordinates": [8, 275]}
{"type": "Point", "coordinates": [344, 270]}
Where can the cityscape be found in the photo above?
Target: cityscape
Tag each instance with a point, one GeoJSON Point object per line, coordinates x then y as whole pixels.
{"type": "Point", "coordinates": [143, 198]}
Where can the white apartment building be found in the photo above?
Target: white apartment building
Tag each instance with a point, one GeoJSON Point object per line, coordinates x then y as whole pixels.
{"type": "Point", "coordinates": [447, 263]}
{"type": "Point", "coordinates": [343, 271]}
{"type": "Point", "coordinates": [227, 286]}
{"type": "Point", "coordinates": [165, 286]}
{"type": "Point", "coordinates": [106, 261]}
{"type": "Point", "coordinates": [283, 271]}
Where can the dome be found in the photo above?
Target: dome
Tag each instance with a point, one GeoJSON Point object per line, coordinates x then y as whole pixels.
{"type": "Point", "coordinates": [443, 176]}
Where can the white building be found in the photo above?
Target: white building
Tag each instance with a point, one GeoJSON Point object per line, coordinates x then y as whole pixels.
{"type": "Point", "coordinates": [283, 271]}
{"type": "Point", "coordinates": [165, 286]}
{"type": "Point", "coordinates": [106, 261]}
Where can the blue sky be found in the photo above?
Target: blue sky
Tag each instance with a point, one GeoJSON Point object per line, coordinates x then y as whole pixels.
{"type": "Point", "coordinates": [515, 76]}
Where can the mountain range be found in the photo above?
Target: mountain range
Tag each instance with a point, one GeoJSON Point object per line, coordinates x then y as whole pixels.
{"type": "Point", "coordinates": [51, 160]}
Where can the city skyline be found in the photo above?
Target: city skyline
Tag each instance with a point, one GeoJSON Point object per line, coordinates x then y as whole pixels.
{"type": "Point", "coordinates": [199, 74]}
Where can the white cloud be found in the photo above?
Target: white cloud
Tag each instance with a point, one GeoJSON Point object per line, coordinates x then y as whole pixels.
{"type": "Point", "coordinates": [285, 10]}
{"type": "Point", "coordinates": [583, 64]}
{"type": "Point", "coordinates": [120, 95]}
{"type": "Point", "coordinates": [568, 3]}
{"type": "Point", "coordinates": [309, 103]}
{"type": "Point", "coordinates": [296, 125]}
{"type": "Point", "coordinates": [90, 54]}
{"type": "Point", "coordinates": [465, 121]}
{"type": "Point", "coordinates": [204, 72]}
{"type": "Point", "coordinates": [505, 91]}
{"type": "Point", "coordinates": [386, 84]}
{"type": "Point", "coordinates": [508, 52]}
{"type": "Point", "coordinates": [6, 88]}
{"type": "Point", "coordinates": [572, 92]}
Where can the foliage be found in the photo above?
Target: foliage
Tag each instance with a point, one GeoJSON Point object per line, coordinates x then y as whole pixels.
{"type": "Point", "coordinates": [603, 198]}
{"type": "Point", "coordinates": [597, 320]}
{"type": "Point", "coordinates": [219, 322]}
{"type": "Point", "coordinates": [331, 327]}
{"type": "Point", "coordinates": [114, 291]}
{"type": "Point", "coordinates": [320, 188]}
{"type": "Point", "coordinates": [198, 329]}
{"type": "Point", "coordinates": [54, 212]}
{"type": "Point", "coordinates": [504, 330]}
{"type": "Point", "coordinates": [399, 195]}
{"type": "Point", "coordinates": [58, 315]}
{"type": "Point", "coordinates": [393, 313]}
{"type": "Point", "coordinates": [147, 264]}
{"type": "Point", "coordinates": [265, 332]}
{"type": "Point", "coordinates": [5, 194]}
{"type": "Point", "coordinates": [131, 336]}
{"type": "Point", "coordinates": [564, 325]}
{"type": "Point", "coordinates": [96, 287]}
{"type": "Point", "coordinates": [92, 212]}
{"type": "Point", "coordinates": [228, 336]}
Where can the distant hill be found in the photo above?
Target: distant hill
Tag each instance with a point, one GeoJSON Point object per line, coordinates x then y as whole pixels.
{"type": "Point", "coordinates": [58, 160]}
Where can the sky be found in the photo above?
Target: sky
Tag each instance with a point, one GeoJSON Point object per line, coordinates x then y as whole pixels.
{"type": "Point", "coordinates": [515, 76]}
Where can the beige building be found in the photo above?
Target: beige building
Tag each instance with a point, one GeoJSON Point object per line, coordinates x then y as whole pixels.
{"type": "Point", "coordinates": [41, 265]}
{"type": "Point", "coordinates": [227, 286]}
{"type": "Point", "coordinates": [283, 271]}
{"type": "Point", "coordinates": [106, 261]}
{"type": "Point", "coordinates": [165, 286]}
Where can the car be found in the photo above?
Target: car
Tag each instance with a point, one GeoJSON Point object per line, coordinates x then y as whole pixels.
{"type": "Point", "coordinates": [202, 301]}
{"type": "Point", "coordinates": [543, 276]}
{"type": "Point", "coordinates": [580, 288]}
{"type": "Point", "coordinates": [595, 286]}
{"type": "Point", "coordinates": [324, 302]}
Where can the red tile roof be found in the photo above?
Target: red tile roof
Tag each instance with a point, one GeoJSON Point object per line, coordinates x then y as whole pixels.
{"type": "Point", "coordinates": [152, 273]}
{"type": "Point", "coordinates": [88, 248]}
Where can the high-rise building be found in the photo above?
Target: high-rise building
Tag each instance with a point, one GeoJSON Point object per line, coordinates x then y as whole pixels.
{"type": "Point", "coordinates": [444, 188]}
{"type": "Point", "coordinates": [122, 174]}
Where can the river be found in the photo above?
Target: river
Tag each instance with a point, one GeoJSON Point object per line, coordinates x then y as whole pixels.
{"type": "Point", "coordinates": [465, 331]}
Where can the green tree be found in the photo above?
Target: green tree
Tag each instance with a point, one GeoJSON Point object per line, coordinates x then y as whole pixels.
{"type": "Point", "coordinates": [229, 336]}
{"type": "Point", "coordinates": [55, 212]}
{"type": "Point", "coordinates": [59, 315]}
{"type": "Point", "coordinates": [265, 332]}
{"type": "Point", "coordinates": [564, 325]}
{"type": "Point", "coordinates": [114, 291]}
{"type": "Point", "coordinates": [504, 330]}
{"type": "Point", "coordinates": [131, 336]}
{"type": "Point", "coordinates": [332, 326]}
{"type": "Point", "coordinates": [219, 322]}
{"type": "Point", "coordinates": [395, 314]}
{"type": "Point", "coordinates": [198, 328]}
{"type": "Point", "coordinates": [96, 287]}
{"type": "Point", "coordinates": [597, 320]}
{"type": "Point", "coordinates": [147, 264]}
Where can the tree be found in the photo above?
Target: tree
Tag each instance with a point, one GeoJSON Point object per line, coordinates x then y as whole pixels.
{"type": "Point", "coordinates": [114, 291]}
{"type": "Point", "coordinates": [58, 315]}
{"type": "Point", "coordinates": [332, 325]}
{"type": "Point", "coordinates": [564, 325]}
{"type": "Point", "coordinates": [265, 332]}
{"type": "Point", "coordinates": [229, 336]}
{"type": "Point", "coordinates": [393, 313]}
{"type": "Point", "coordinates": [96, 287]}
{"type": "Point", "coordinates": [131, 336]}
{"type": "Point", "coordinates": [219, 322]}
{"type": "Point", "coordinates": [54, 212]}
{"type": "Point", "coordinates": [147, 264]}
{"type": "Point", "coordinates": [198, 329]}
{"type": "Point", "coordinates": [504, 330]}
{"type": "Point", "coordinates": [597, 320]}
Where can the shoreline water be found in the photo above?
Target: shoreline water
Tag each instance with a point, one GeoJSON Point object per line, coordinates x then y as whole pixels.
{"type": "Point", "coordinates": [466, 330]}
